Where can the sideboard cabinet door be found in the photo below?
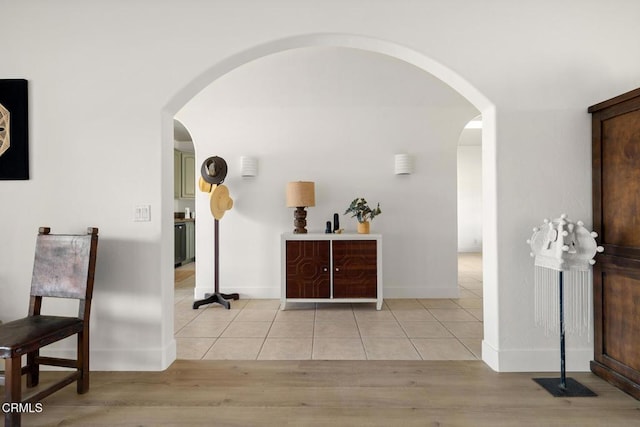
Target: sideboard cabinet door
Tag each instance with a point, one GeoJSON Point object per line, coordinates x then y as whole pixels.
{"type": "Point", "coordinates": [308, 274]}
{"type": "Point", "coordinates": [354, 269]}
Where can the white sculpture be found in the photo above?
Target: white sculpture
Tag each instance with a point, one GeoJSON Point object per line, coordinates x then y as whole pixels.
{"type": "Point", "coordinates": [560, 245]}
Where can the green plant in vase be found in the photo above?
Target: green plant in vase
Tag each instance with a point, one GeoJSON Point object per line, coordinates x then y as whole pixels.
{"type": "Point", "coordinates": [360, 210]}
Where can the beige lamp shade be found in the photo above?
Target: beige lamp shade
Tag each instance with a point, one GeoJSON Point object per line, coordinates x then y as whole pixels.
{"type": "Point", "coordinates": [301, 193]}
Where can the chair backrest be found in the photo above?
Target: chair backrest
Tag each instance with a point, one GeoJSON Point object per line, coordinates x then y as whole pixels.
{"type": "Point", "coordinates": [64, 266]}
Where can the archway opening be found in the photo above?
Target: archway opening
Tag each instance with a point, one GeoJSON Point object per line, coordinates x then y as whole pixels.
{"type": "Point", "coordinates": [410, 57]}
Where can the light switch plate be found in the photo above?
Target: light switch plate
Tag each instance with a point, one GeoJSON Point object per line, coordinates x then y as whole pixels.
{"type": "Point", "coordinates": [142, 213]}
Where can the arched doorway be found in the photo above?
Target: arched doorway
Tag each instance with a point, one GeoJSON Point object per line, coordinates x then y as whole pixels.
{"type": "Point", "coordinates": [424, 63]}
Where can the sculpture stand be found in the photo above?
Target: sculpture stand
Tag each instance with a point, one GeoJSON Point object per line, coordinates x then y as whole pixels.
{"type": "Point", "coordinates": [563, 387]}
{"type": "Point", "coordinates": [216, 296]}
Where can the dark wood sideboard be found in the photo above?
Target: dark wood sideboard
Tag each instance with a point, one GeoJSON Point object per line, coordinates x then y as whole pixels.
{"type": "Point", "coordinates": [335, 268]}
{"type": "Point", "coordinates": [616, 219]}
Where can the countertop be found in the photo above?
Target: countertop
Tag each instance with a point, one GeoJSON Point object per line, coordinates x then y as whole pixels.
{"type": "Point", "coordinates": [178, 220]}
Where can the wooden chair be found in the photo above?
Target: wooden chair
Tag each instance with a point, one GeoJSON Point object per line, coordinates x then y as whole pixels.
{"type": "Point", "coordinates": [64, 267]}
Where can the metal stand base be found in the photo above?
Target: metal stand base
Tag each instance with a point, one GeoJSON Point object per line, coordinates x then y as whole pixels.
{"type": "Point", "coordinates": [222, 299]}
{"type": "Point", "coordinates": [572, 387]}
{"type": "Point", "coordinates": [216, 296]}
{"type": "Point", "coordinates": [563, 386]}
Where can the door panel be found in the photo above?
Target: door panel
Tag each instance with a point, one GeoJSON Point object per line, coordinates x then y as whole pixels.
{"type": "Point", "coordinates": [621, 311]}
{"type": "Point", "coordinates": [621, 180]}
{"type": "Point", "coordinates": [308, 274]}
{"type": "Point", "coordinates": [354, 269]}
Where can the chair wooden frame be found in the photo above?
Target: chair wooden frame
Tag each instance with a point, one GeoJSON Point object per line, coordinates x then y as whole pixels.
{"type": "Point", "coordinates": [64, 267]}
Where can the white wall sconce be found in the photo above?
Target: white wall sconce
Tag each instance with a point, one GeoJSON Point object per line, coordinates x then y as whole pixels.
{"type": "Point", "coordinates": [248, 166]}
{"type": "Point", "coordinates": [403, 164]}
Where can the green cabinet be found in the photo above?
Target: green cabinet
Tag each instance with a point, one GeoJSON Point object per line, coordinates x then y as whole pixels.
{"type": "Point", "coordinates": [191, 241]}
{"type": "Point", "coordinates": [188, 188]}
{"type": "Point", "coordinates": [185, 242]}
{"type": "Point", "coordinates": [184, 175]}
{"type": "Point", "coordinates": [177, 174]}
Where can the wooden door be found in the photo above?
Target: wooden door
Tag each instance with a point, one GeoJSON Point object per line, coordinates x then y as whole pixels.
{"type": "Point", "coordinates": [355, 272]}
{"type": "Point", "coordinates": [616, 218]}
{"type": "Point", "coordinates": [307, 269]}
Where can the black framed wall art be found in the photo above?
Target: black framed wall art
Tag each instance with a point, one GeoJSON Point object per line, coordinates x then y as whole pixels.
{"type": "Point", "coordinates": [14, 130]}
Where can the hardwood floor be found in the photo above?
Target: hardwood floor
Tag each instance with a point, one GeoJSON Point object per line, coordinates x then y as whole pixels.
{"type": "Point", "coordinates": [332, 393]}
{"type": "Point", "coordinates": [336, 393]}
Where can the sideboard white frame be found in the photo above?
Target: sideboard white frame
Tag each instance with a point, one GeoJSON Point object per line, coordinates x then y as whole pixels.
{"type": "Point", "coordinates": [330, 237]}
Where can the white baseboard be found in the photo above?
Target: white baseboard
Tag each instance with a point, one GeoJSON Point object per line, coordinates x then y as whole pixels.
{"type": "Point", "coordinates": [421, 292]}
{"type": "Point", "coordinates": [151, 359]}
{"type": "Point", "coordinates": [468, 249]}
{"type": "Point", "coordinates": [535, 360]}
{"type": "Point", "coordinates": [396, 292]}
{"type": "Point", "coordinates": [245, 292]}
{"type": "Point", "coordinates": [490, 356]}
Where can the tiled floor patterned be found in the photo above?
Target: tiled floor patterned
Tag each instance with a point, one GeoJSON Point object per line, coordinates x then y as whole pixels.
{"type": "Point", "coordinates": [405, 329]}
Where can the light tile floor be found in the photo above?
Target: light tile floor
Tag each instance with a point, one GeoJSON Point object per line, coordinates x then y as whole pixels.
{"type": "Point", "coordinates": [405, 329]}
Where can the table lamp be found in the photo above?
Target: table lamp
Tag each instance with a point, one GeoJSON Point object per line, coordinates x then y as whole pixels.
{"type": "Point", "coordinates": [300, 194]}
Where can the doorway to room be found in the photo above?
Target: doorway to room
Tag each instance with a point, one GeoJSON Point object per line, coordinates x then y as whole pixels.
{"type": "Point", "coordinates": [469, 191]}
{"type": "Point", "coordinates": [407, 309]}
{"type": "Point", "coordinates": [413, 328]}
{"type": "Point", "coordinates": [295, 87]}
{"type": "Point", "coordinates": [184, 214]}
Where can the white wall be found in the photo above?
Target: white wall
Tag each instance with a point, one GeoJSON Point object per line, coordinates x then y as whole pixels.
{"type": "Point", "coordinates": [106, 81]}
{"type": "Point", "coordinates": [334, 116]}
{"type": "Point", "coordinates": [470, 191]}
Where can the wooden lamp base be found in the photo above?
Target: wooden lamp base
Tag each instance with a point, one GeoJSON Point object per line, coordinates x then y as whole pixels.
{"type": "Point", "coordinates": [300, 220]}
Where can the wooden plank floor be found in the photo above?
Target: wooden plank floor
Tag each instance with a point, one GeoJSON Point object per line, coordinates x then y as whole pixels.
{"type": "Point", "coordinates": [335, 393]}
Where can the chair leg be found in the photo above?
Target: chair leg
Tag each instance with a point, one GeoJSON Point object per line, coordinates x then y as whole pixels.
{"type": "Point", "coordinates": [83, 362]}
{"type": "Point", "coordinates": [13, 389]}
{"type": "Point", "coordinates": [33, 369]}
